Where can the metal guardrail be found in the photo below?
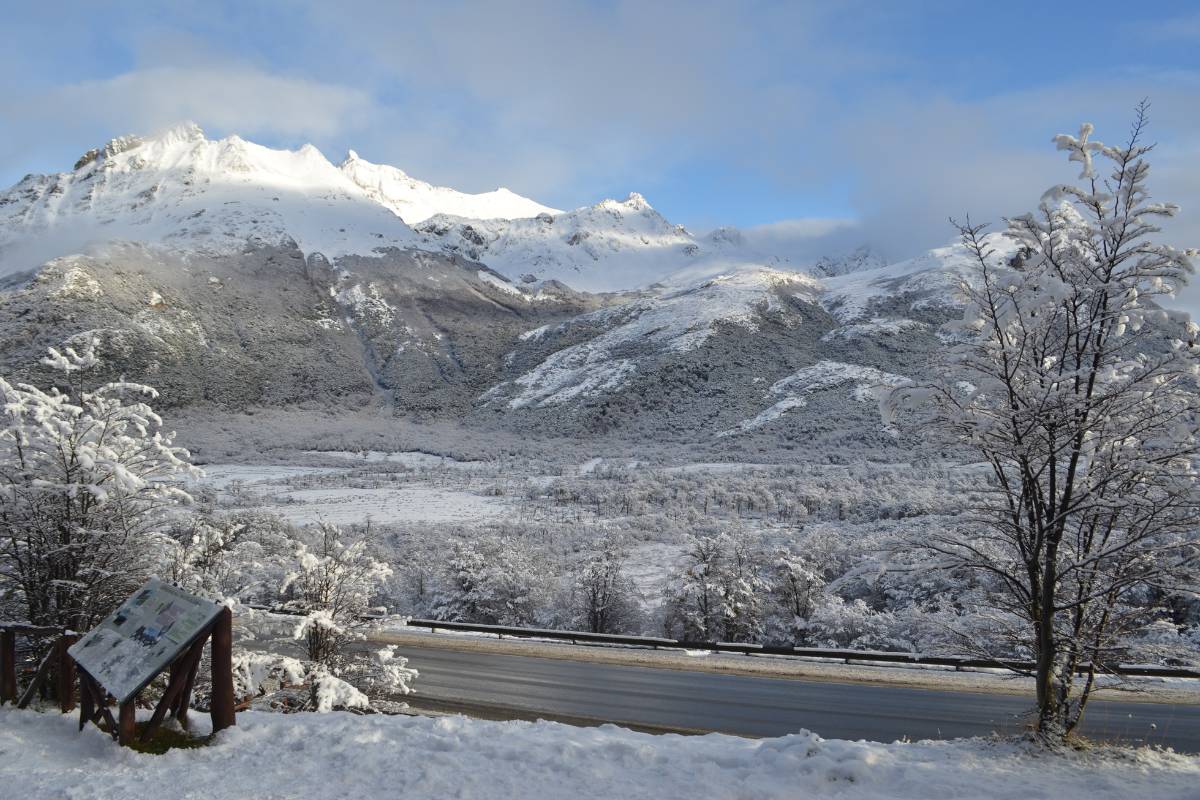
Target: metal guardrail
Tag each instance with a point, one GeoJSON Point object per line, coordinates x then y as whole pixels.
{"type": "Point", "coordinates": [846, 656]}
{"type": "Point", "coordinates": [827, 654]}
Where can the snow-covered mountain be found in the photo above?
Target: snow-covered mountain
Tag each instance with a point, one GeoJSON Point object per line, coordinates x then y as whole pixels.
{"type": "Point", "coordinates": [235, 275]}
{"type": "Point", "coordinates": [610, 246]}
{"type": "Point", "coordinates": [618, 245]}
{"type": "Point", "coordinates": [191, 193]}
{"type": "Point", "coordinates": [416, 201]}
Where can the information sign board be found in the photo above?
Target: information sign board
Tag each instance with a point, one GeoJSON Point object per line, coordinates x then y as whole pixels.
{"type": "Point", "coordinates": [142, 637]}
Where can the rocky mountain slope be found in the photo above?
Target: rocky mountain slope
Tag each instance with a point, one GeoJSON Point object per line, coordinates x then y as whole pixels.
{"type": "Point", "coordinates": [234, 276]}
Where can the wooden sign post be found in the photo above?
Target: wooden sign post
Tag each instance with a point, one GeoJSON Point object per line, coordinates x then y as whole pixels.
{"type": "Point", "coordinates": [160, 628]}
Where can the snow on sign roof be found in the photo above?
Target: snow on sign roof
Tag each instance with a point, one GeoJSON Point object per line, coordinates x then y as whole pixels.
{"type": "Point", "coordinates": [138, 640]}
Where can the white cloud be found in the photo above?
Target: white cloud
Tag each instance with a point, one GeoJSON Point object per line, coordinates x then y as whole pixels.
{"type": "Point", "coordinates": [233, 98]}
{"type": "Point", "coordinates": [223, 97]}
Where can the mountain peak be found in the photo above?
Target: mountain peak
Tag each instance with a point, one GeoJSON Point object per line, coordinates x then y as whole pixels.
{"type": "Point", "coordinates": [636, 201]}
{"type": "Point", "coordinates": [186, 131]}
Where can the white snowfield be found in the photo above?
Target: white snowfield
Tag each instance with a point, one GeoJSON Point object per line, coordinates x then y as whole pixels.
{"type": "Point", "coordinates": [355, 506]}
{"type": "Point", "coordinates": [338, 755]}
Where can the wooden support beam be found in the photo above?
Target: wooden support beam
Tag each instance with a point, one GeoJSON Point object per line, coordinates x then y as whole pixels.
{"type": "Point", "coordinates": [111, 730]}
{"type": "Point", "coordinates": [38, 681]}
{"type": "Point", "coordinates": [184, 701]}
{"type": "Point", "coordinates": [8, 666]}
{"type": "Point", "coordinates": [126, 726]}
{"type": "Point", "coordinates": [65, 673]}
{"type": "Point", "coordinates": [99, 699]}
{"type": "Point", "coordinates": [87, 708]}
{"type": "Point", "coordinates": [222, 672]}
{"type": "Point", "coordinates": [180, 670]}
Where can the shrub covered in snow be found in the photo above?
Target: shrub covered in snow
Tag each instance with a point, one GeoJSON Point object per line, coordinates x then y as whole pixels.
{"type": "Point", "coordinates": [87, 477]}
{"type": "Point", "coordinates": [494, 581]}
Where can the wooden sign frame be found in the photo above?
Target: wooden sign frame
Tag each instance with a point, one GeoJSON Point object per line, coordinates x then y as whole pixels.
{"type": "Point", "coordinates": [94, 699]}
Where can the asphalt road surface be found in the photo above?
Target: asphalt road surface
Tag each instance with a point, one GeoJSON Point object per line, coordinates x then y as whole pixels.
{"type": "Point", "coordinates": [502, 685]}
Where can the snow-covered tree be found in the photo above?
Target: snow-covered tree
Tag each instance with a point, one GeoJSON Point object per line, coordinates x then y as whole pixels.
{"type": "Point", "coordinates": [795, 583]}
{"type": "Point", "coordinates": [603, 597]}
{"type": "Point", "coordinates": [87, 477]}
{"type": "Point", "coordinates": [333, 583]}
{"type": "Point", "coordinates": [242, 556]}
{"type": "Point", "coordinates": [492, 581]}
{"type": "Point", "coordinates": [693, 595]}
{"type": "Point", "coordinates": [1080, 392]}
{"type": "Point", "coordinates": [718, 592]}
{"type": "Point", "coordinates": [745, 590]}
{"type": "Point", "coordinates": [835, 622]}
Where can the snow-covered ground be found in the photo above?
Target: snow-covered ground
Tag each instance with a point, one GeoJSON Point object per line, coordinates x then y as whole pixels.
{"type": "Point", "coordinates": [345, 506]}
{"type": "Point", "coordinates": [338, 755]}
{"type": "Point", "coordinates": [341, 502]}
{"type": "Point", "coordinates": [222, 476]}
{"type": "Point", "coordinates": [413, 459]}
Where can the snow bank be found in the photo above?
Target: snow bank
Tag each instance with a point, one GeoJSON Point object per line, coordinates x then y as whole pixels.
{"type": "Point", "coordinates": [338, 755]}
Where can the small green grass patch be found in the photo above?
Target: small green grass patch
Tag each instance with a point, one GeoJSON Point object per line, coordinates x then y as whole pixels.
{"type": "Point", "coordinates": [167, 738]}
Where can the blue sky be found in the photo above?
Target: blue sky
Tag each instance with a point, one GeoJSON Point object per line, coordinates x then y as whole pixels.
{"type": "Point", "coordinates": [893, 115]}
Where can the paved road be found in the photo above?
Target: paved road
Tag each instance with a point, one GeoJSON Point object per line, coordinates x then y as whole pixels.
{"type": "Point", "coordinates": [759, 706]}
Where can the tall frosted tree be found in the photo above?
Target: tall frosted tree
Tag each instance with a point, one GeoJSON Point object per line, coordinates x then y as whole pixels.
{"type": "Point", "coordinates": [1079, 390]}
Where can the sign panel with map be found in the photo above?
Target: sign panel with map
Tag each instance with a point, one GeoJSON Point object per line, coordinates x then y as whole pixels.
{"type": "Point", "coordinates": [142, 637]}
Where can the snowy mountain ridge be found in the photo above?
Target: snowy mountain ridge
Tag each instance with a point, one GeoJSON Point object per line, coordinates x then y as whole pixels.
{"type": "Point", "coordinates": [415, 201]}
{"type": "Point", "coordinates": [674, 321]}
{"type": "Point", "coordinates": [191, 193]}
{"type": "Point", "coordinates": [182, 190]}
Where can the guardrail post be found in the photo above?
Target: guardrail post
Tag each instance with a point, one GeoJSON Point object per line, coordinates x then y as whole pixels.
{"type": "Point", "coordinates": [8, 666]}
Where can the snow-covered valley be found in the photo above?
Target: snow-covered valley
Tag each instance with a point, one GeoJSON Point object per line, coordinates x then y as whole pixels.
{"type": "Point", "coordinates": [410, 401]}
